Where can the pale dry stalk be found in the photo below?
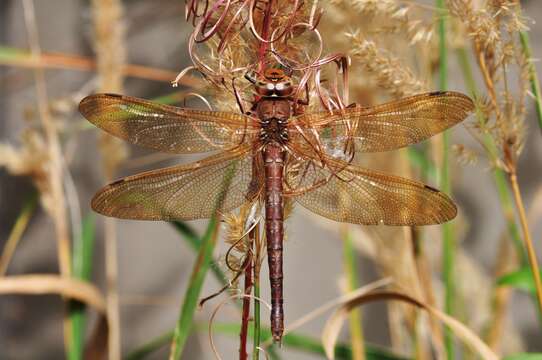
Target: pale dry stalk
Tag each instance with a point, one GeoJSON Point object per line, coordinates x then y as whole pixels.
{"type": "Point", "coordinates": [501, 297]}
{"type": "Point", "coordinates": [111, 54]}
{"type": "Point", "coordinates": [55, 162]}
{"type": "Point", "coordinates": [531, 253]}
{"type": "Point", "coordinates": [494, 31]}
{"type": "Point", "coordinates": [81, 63]}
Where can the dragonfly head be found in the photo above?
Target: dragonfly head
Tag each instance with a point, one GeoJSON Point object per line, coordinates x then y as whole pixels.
{"type": "Point", "coordinates": [274, 83]}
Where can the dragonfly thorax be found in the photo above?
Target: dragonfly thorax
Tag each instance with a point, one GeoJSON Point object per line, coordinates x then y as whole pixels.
{"type": "Point", "coordinates": [273, 115]}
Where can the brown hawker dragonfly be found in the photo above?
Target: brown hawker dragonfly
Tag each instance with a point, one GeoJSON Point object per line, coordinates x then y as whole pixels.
{"type": "Point", "coordinates": [274, 152]}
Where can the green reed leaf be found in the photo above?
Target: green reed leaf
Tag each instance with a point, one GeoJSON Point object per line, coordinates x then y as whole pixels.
{"type": "Point", "coordinates": [191, 298]}
{"type": "Point", "coordinates": [521, 279]}
{"type": "Point", "coordinates": [83, 253]}
{"type": "Point", "coordinates": [524, 356]}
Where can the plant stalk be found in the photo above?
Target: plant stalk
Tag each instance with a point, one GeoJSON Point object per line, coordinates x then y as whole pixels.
{"type": "Point", "coordinates": [499, 175]}
{"type": "Point", "coordinates": [355, 322]}
{"type": "Point", "coordinates": [527, 236]}
{"type": "Point", "coordinates": [256, 268]}
{"type": "Point", "coordinates": [243, 355]}
{"type": "Point", "coordinates": [535, 83]}
{"type": "Point", "coordinates": [448, 236]}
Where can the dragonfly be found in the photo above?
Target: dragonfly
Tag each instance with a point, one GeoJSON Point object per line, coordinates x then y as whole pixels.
{"type": "Point", "coordinates": [273, 153]}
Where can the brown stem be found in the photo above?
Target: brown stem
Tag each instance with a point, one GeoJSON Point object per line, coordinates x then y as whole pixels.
{"type": "Point", "coordinates": [243, 355]}
{"type": "Point", "coordinates": [526, 235]}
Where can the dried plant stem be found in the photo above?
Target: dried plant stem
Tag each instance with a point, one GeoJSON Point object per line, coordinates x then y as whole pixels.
{"type": "Point", "coordinates": [499, 175]}
{"type": "Point", "coordinates": [17, 232]}
{"type": "Point", "coordinates": [110, 52]}
{"type": "Point", "coordinates": [423, 269]}
{"type": "Point", "coordinates": [448, 236]}
{"type": "Point", "coordinates": [245, 317]}
{"type": "Point", "coordinates": [20, 58]}
{"type": "Point", "coordinates": [256, 268]}
{"type": "Point", "coordinates": [55, 170]}
{"type": "Point", "coordinates": [55, 154]}
{"type": "Point", "coordinates": [501, 297]}
{"type": "Point", "coordinates": [535, 84]}
{"type": "Point", "coordinates": [266, 24]}
{"type": "Point", "coordinates": [350, 267]}
{"type": "Point", "coordinates": [526, 235]}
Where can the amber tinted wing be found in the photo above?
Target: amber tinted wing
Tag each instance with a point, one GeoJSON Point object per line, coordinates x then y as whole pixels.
{"type": "Point", "coordinates": [360, 196]}
{"type": "Point", "coordinates": [194, 191]}
{"type": "Point", "coordinates": [166, 128]}
{"type": "Point", "coordinates": [388, 126]}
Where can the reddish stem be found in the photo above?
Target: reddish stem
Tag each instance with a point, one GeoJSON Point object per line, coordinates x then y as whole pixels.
{"type": "Point", "coordinates": [266, 24]}
{"type": "Point", "coordinates": [243, 355]}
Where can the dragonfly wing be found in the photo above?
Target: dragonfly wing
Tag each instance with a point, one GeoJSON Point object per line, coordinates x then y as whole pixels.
{"type": "Point", "coordinates": [388, 126]}
{"type": "Point", "coordinates": [361, 196]}
{"type": "Point", "coordinates": [166, 128]}
{"type": "Point", "coordinates": [218, 183]}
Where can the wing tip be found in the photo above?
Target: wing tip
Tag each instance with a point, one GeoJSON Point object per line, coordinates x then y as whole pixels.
{"type": "Point", "coordinates": [89, 101]}
{"type": "Point", "coordinates": [469, 103]}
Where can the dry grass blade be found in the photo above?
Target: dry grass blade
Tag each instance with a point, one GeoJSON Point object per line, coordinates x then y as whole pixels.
{"type": "Point", "coordinates": [336, 302]}
{"type": "Point", "coordinates": [53, 284]}
{"type": "Point", "coordinates": [336, 320]}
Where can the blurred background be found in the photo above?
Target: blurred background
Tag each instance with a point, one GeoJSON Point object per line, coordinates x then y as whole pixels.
{"type": "Point", "coordinates": [154, 263]}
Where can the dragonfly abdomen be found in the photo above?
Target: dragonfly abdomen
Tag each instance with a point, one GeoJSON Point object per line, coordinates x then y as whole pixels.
{"type": "Point", "coordinates": [274, 157]}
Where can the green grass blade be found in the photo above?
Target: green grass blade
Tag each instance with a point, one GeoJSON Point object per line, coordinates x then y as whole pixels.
{"type": "Point", "coordinates": [17, 231]}
{"type": "Point", "coordinates": [308, 344]}
{"type": "Point", "coordinates": [351, 270]}
{"type": "Point", "coordinates": [533, 76]}
{"type": "Point", "coordinates": [448, 250]}
{"type": "Point", "coordinates": [83, 252]}
{"type": "Point", "coordinates": [191, 298]}
{"type": "Point", "coordinates": [524, 356]}
{"type": "Point", "coordinates": [291, 341]}
{"type": "Point", "coordinates": [418, 159]}
{"type": "Point", "coordinates": [522, 279]}
{"type": "Point", "coordinates": [150, 347]}
{"type": "Point", "coordinates": [193, 239]}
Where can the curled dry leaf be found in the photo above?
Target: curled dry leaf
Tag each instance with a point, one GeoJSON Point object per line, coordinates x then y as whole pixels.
{"type": "Point", "coordinates": [42, 284]}
{"type": "Point", "coordinates": [336, 320]}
